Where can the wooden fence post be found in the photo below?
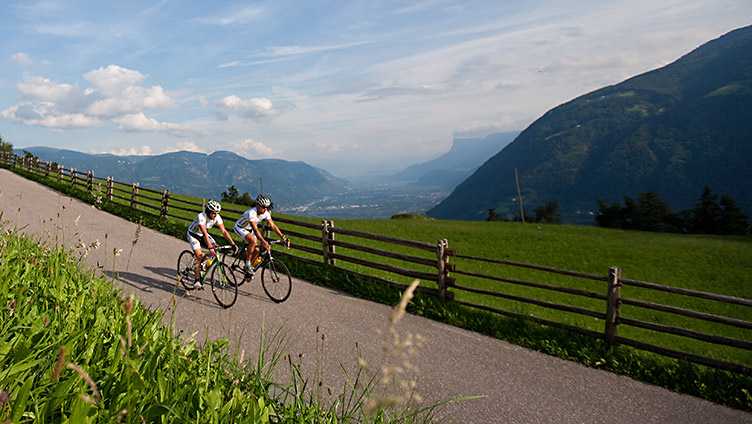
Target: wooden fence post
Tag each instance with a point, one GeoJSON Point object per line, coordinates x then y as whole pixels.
{"type": "Point", "coordinates": [47, 169]}
{"type": "Point", "coordinates": [90, 181]}
{"type": "Point", "coordinates": [612, 303]}
{"type": "Point", "coordinates": [73, 177]}
{"type": "Point", "coordinates": [134, 196]}
{"type": "Point", "coordinates": [165, 203]}
{"type": "Point", "coordinates": [110, 185]}
{"type": "Point", "coordinates": [327, 248]}
{"type": "Point", "coordinates": [330, 245]}
{"type": "Point", "coordinates": [60, 173]}
{"type": "Point", "coordinates": [441, 268]}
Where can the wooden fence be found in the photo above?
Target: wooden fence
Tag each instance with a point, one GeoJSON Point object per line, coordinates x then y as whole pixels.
{"type": "Point", "coordinates": [431, 262]}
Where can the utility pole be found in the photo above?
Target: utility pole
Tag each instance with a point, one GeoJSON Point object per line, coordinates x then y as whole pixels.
{"type": "Point", "coordinates": [519, 195]}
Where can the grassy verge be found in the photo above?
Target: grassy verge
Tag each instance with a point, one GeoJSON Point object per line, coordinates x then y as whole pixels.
{"type": "Point", "coordinates": [72, 350]}
{"type": "Point", "coordinates": [714, 264]}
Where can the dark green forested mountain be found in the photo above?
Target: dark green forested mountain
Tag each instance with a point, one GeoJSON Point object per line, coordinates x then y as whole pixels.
{"type": "Point", "coordinates": [289, 184]}
{"type": "Point", "coordinates": [673, 130]}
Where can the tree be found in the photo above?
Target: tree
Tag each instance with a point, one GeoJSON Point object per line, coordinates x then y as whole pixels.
{"type": "Point", "coordinates": [5, 147]}
{"type": "Point", "coordinates": [231, 196]}
{"type": "Point", "coordinates": [707, 213]}
{"type": "Point", "coordinates": [732, 220]}
{"type": "Point", "coordinates": [492, 215]}
{"type": "Point", "coordinates": [653, 214]}
{"type": "Point", "coordinates": [630, 213]}
{"type": "Point", "coordinates": [548, 213]}
{"type": "Point", "coordinates": [609, 216]}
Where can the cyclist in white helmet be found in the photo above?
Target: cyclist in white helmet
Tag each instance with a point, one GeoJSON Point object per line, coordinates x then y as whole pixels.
{"type": "Point", "coordinates": [198, 235]}
{"type": "Point", "coordinates": [247, 228]}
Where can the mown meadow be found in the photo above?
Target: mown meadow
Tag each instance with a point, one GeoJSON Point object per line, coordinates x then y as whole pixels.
{"type": "Point", "coordinates": [713, 264]}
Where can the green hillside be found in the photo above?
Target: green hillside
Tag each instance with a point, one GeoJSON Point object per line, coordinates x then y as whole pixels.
{"type": "Point", "coordinates": [673, 130]}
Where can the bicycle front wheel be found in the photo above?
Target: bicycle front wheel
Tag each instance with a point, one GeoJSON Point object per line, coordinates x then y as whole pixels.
{"type": "Point", "coordinates": [185, 269]}
{"type": "Point", "coordinates": [224, 288]}
{"type": "Point", "coordinates": [276, 280]}
{"type": "Point", "coordinates": [235, 266]}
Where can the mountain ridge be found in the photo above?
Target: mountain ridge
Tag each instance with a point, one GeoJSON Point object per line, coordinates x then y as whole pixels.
{"type": "Point", "coordinates": [289, 184]}
{"type": "Point", "coordinates": [674, 130]}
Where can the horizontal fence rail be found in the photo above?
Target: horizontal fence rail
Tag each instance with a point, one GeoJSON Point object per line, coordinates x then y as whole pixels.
{"type": "Point", "coordinates": [328, 245]}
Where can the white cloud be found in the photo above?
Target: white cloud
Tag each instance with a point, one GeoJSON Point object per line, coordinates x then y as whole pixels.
{"type": "Point", "coordinates": [336, 147]}
{"type": "Point", "coordinates": [112, 80]}
{"type": "Point", "coordinates": [44, 90]}
{"type": "Point", "coordinates": [250, 145]}
{"type": "Point", "coordinates": [242, 16]}
{"type": "Point", "coordinates": [119, 92]}
{"type": "Point", "coordinates": [21, 58]}
{"type": "Point", "coordinates": [115, 94]}
{"type": "Point", "coordinates": [39, 115]}
{"type": "Point", "coordinates": [143, 151]}
{"type": "Point", "coordinates": [139, 122]}
{"type": "Point", "coordinates": [256, 109]}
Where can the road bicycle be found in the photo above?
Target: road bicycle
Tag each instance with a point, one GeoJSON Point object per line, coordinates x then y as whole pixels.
{"type": "Point", "coordinates": [275, 277]}
{"type": "Point", "coordinates": [223, 284]}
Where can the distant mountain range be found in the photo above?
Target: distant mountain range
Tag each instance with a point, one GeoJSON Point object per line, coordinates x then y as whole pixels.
{"type": "Point", "coordinates": [295, 187]}
{"type": "Point", "coordinates": [289, 184]}
{"type": "Point", "coordinates": [453, 167]}
{"type": "Point", "coordinates": [674, 130]}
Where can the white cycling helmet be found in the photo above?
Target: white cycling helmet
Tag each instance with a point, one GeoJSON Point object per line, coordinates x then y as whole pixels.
{"type": "Point", "coordinates": [263, 201]}
{"type": "Point", "coordinates": [212, 206]}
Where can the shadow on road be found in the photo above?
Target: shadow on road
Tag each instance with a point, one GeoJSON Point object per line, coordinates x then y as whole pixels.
{"type": "Point", "coordinates": [167, 285]}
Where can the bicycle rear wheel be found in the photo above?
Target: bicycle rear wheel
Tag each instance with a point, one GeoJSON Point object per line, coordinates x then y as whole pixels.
{"type": "Point", "coordinates": [224, 288]}
{"type": "Point", "coordinates": [185, 269]}
{"type": "Point", "coordinates": [276, 280]}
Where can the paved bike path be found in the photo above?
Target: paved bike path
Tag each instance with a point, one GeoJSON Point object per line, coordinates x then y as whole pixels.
{"type": "Point", "coordinates": [518, 385]}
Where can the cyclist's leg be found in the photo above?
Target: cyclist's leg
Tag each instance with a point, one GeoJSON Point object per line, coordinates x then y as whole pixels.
{"type": "Point", "coordinates": [198, 255]}
{"type": "Point", "coordinates": [252, 250]}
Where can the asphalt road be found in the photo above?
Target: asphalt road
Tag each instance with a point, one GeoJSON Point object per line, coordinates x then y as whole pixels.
{"type": "Point", "coordinates": [517, 385]}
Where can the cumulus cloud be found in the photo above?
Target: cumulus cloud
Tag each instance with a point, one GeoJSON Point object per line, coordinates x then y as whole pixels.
{"type": "Point", "coordinates": [139, 122]}
{"type": "Point", "coordinates": [252, 146]}
{"type": "Point", "coordinates": [256, 109]}
{"type": "Point", "coordinates": [39, 115]}
{"type": "Point", "coordinates": [21, 58]}
{"type": "Point", "coordinates": [142, 151]}
{"type": "Point", "coordinates": [115, 94]}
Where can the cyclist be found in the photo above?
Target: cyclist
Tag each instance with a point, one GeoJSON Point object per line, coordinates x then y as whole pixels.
{"type": "Point", "coordinates": [247, 228]}
{"type": "Point", "coordinates": [198, 235]}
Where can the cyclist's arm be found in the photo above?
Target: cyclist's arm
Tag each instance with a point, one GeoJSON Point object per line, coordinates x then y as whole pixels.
{"type": "Point", "coordinates": [227, 236]}
{"type": "Point", "coordinates": [277, 230]}
{"type": "Point", "coordinates": [205, 232]}
{"type": "Point", "coordinates": [260, 237]}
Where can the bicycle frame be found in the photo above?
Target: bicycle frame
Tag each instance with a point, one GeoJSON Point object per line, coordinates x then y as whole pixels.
{"type": "Point", "coordinates": [224, 286]}
{"type": "Point", "coordinates": [275, 277]}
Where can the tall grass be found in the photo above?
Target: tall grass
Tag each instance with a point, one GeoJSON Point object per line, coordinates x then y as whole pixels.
{"type": "Point", "coordinates": [73, 350]}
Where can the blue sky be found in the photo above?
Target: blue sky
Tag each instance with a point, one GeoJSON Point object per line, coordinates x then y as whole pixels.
{"type": "Point", "coordinates": [353, 87]}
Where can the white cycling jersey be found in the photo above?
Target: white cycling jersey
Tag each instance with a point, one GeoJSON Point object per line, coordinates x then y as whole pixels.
{"type": "Point", "coordinates": [202, 219]}
{"type": "Point", "coordinates": [251, 215]}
